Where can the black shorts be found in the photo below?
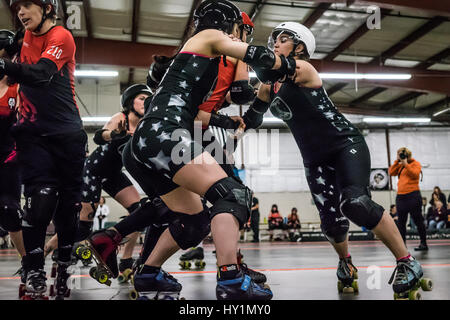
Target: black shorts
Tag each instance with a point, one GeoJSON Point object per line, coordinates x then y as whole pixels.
{"type": "Point", "coordinates": [348, 167]}
{"type": "Point", "coordinates": [52, 161]}
{"type": "Point", "coordinates": [162, 150]}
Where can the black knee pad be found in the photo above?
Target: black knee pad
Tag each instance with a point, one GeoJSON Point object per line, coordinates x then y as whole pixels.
{"type": "Point", "coordinates": [10, 217]}
{"type": "Point", "coordinates": [337, 232]}
{"type": "Point", "coordinates": [84, 230]}
{"type": "Point", "coordinates": [189, 230]}
{"type": "Point", "coordinates": [230, 196]}
{"type": "Point", "coordinates": [358, 207]}
{"type": "Point", "coordinates": [133, 207]}
{"type": "Point", "coordinates": [40, 207]}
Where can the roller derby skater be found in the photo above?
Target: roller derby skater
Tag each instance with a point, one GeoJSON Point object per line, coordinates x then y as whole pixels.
{"type": "Point", "coordinates": [347, 275]}
{"type": "Point", "coordinates": [407, 279]}
{"type": "Point", "coordinates": [338, 175]}
{"type": "Point", "coordinates": [194, 257]}
{"type": "Point", "coordinates": [59, 289]}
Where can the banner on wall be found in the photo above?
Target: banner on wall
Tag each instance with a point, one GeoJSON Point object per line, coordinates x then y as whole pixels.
{"type": "Point", "coordinates": [379, 179]}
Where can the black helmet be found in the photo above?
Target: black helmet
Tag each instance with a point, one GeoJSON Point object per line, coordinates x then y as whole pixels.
{"type": "Point", "coordinates": [43, 4]}
{"type": "Point", "coordinates": [7, 42]}
{"type": "Point", "coordinates": [217, 14]}
{"type": "Point", "coordinates": [128, 97]}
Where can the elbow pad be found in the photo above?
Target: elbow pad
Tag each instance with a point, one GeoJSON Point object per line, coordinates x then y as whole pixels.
{"type": "Point", "coordinates": [98, 137]}
{"type": "Point", "coordinates": [254, 116]}
{"type": "Point", "coordinates": [222, 121]}
{"type": "Point", "coordinates": [242, 92]}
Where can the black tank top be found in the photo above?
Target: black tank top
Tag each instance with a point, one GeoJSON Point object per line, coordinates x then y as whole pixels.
{"type": "Point", "coordinates": [317, 126]}
{"type": "Point", "coordinates": [189, 81]}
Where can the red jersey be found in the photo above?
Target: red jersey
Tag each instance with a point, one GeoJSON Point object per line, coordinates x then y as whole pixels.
{"type": "Point", "coordinates": [50, 109]}
{"type": "Point", "coordinates": [8, 103]}
{"type": "Point", "coordinates": [225, 79]}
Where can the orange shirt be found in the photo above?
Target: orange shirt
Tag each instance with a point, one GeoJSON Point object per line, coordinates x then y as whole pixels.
{"type": "Point", "coordinates": [408, 176]}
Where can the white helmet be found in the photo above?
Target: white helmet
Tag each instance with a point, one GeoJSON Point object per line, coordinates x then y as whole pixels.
{"type": "Point", "coordinates": [299, 32]}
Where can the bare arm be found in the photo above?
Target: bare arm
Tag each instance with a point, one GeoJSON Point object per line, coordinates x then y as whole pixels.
{"type": "Point", "coordinates": [306, 75]}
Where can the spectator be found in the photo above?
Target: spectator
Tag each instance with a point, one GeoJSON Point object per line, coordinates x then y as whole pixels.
{"type": "Point", "coordinates": [101, 214]}
{"type": "Point", "coordinates": [409, 199]}
{"type": "Point", "coordinates": [254, 219]}
{"type": "Point", "coordinates": [275, 221]}
{"type": "Point", "coordinates": [440, 196]}
{"type": "Point", "coordinates": [439, 218]}
{"type": "Point", "coordinates": [393, 213]}
{"type": "Point", "coordinates": [294, 225]}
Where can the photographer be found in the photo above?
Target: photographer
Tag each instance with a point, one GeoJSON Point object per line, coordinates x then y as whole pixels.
{"type": "Point", "coordinates": [409, 199]}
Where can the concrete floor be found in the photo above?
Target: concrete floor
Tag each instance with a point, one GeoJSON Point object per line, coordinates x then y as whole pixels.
{"type": "Point", "coordinates": [295, 271]}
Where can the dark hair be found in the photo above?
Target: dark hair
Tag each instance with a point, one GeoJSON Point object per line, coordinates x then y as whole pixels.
{"type": "Point", "coordinates": [392, 206]}
{"type": "Point", "coordinates": [439, 190]}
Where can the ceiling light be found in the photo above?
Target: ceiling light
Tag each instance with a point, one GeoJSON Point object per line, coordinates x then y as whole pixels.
{"type": "Point", "coordinates": [358, 76]}
{"type": "Point", "coordinates": [395, 120]}
{"type": "Point", "coordinates": [441, 112]}
{"type": "Point", "coordinates": [96, 74]}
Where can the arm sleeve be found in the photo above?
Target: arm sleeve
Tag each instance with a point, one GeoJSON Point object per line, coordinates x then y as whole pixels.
{"type": "Point", "coordinates": [36, 75]}
{"type": "Point", "coordinates": [394, 169]}
{"type": "Point", "coordinates": [413, 170]}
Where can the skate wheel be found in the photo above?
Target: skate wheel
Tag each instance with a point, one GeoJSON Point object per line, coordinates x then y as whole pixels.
{"type": "Point", "coordinates": [426, 284]}
{"type": "Point", "coordinates": [86, 254]}
{"type": "Point", "coordinates": [52, 291]}
{"type": "Point", "coordinates": [103, 278]}
{"type": "Point", "coordinates": [121, 279]}
{"type": "Point", "coordinates": [132, 280]}
{"type": "Point", "coordinates": [348, 290]}
{"type": "Point", "coordinates": [22, 290]}
{"type": "Point", "coordinates": [356, 275]}
{"type": "Point", "coordinates": [355, 286]}
{"type": "Point", "coordinates": [93, 272]}
{"type": "Point", "coordinates": [414, 295]}
{"type": "Point", "coordinates": [133, 295]}
{"type": "Point", "coordinates": [340, 286]}
{"type": "Point", "coordinates": [53, 272]}
{"type": "Point", "coordinates": [143, 298]}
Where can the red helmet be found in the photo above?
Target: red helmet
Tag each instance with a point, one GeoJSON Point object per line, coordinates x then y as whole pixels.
{"type": "Point", "coordinates": [247, 23]}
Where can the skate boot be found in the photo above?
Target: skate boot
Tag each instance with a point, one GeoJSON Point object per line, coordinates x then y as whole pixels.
{"type": "Point", "coordinates": [155, 286]}
{"type": "Point", "coordinates": [408, 280]}
{"type": "Point", "coordinates": [59, 288]}
{"type": "Point", "coordinates": [257, 277]}
{"type": "Point", "coordinates": [104, 245]}
{"type": "Point", "coordinates": [125, 269]}
{"type": "Point", "coordinates": [83, 253]}
{"type": "Point", "coordinates": [35, 286]}
{"type": "Point", "coordinates": [422, 247]}
{"type": "Point", "coordinates": [196, 255]}
{"type": "Point", "coordinates": [347, 275]}
{"type": "Point", "coordinates": [242, 288]}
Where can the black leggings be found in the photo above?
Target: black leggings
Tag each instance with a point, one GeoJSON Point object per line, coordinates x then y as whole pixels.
{"type": "Point", "coordinates": [411, 203]}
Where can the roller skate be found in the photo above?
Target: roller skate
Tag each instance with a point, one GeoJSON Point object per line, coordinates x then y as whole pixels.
{"type": "Point", "coordinates": [408, 280]}
{"type": "Point", "coordinates": [155, 286]}
{"type": "Point", "coordinates": [104, 245]}
{"type": "Point", "coordinates": [35, 286]}
{"type": "Point", "coordinates": [59, 288]}
{"type": "Point", "coordinates": [256, 276]}
{"type": "Point", "coordinates": [83, 253]}
{"type": "Point", "coordinates": [242, 288]}
{"type": "Point", "coordinates": [347, 275]}
{"type": "Point", "coordinates": [196, 255]}
{"type": "Point", "coordinates": [126, 270]}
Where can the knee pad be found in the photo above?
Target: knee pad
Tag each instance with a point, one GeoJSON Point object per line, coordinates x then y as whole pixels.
{"type": "Point", "coordinates": [230, 196]}
{"type": "Point", "coordinates": [84, 230]}
{"type": "Point", "coordinates": [160, 213]}
{"type": "Point", "coordinates": [40, 207]}
{"type": "Point", "coordinates": [10, 218]}
{"type": "Point", "coordinates": [133, 207]}
{"type": "Point", "coordinates": [357, 205]}
{"type": "Point", "coordinates": [189, 230]}
{"type": "Point", "coordinates": [337, 232]}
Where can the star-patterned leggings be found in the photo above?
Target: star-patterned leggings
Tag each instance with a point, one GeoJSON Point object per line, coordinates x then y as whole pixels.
{"type": "Point", "coordinates": [348, 167]}
{"type": "Point", "coordinates": [103, 171]}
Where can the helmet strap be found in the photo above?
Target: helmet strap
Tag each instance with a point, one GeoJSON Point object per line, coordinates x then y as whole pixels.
{"type": "Point", "coordinates": [44, 17]}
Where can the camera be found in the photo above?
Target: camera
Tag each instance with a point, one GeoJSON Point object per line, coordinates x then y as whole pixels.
{"type": "Point", "coordinates": [403, 155]}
